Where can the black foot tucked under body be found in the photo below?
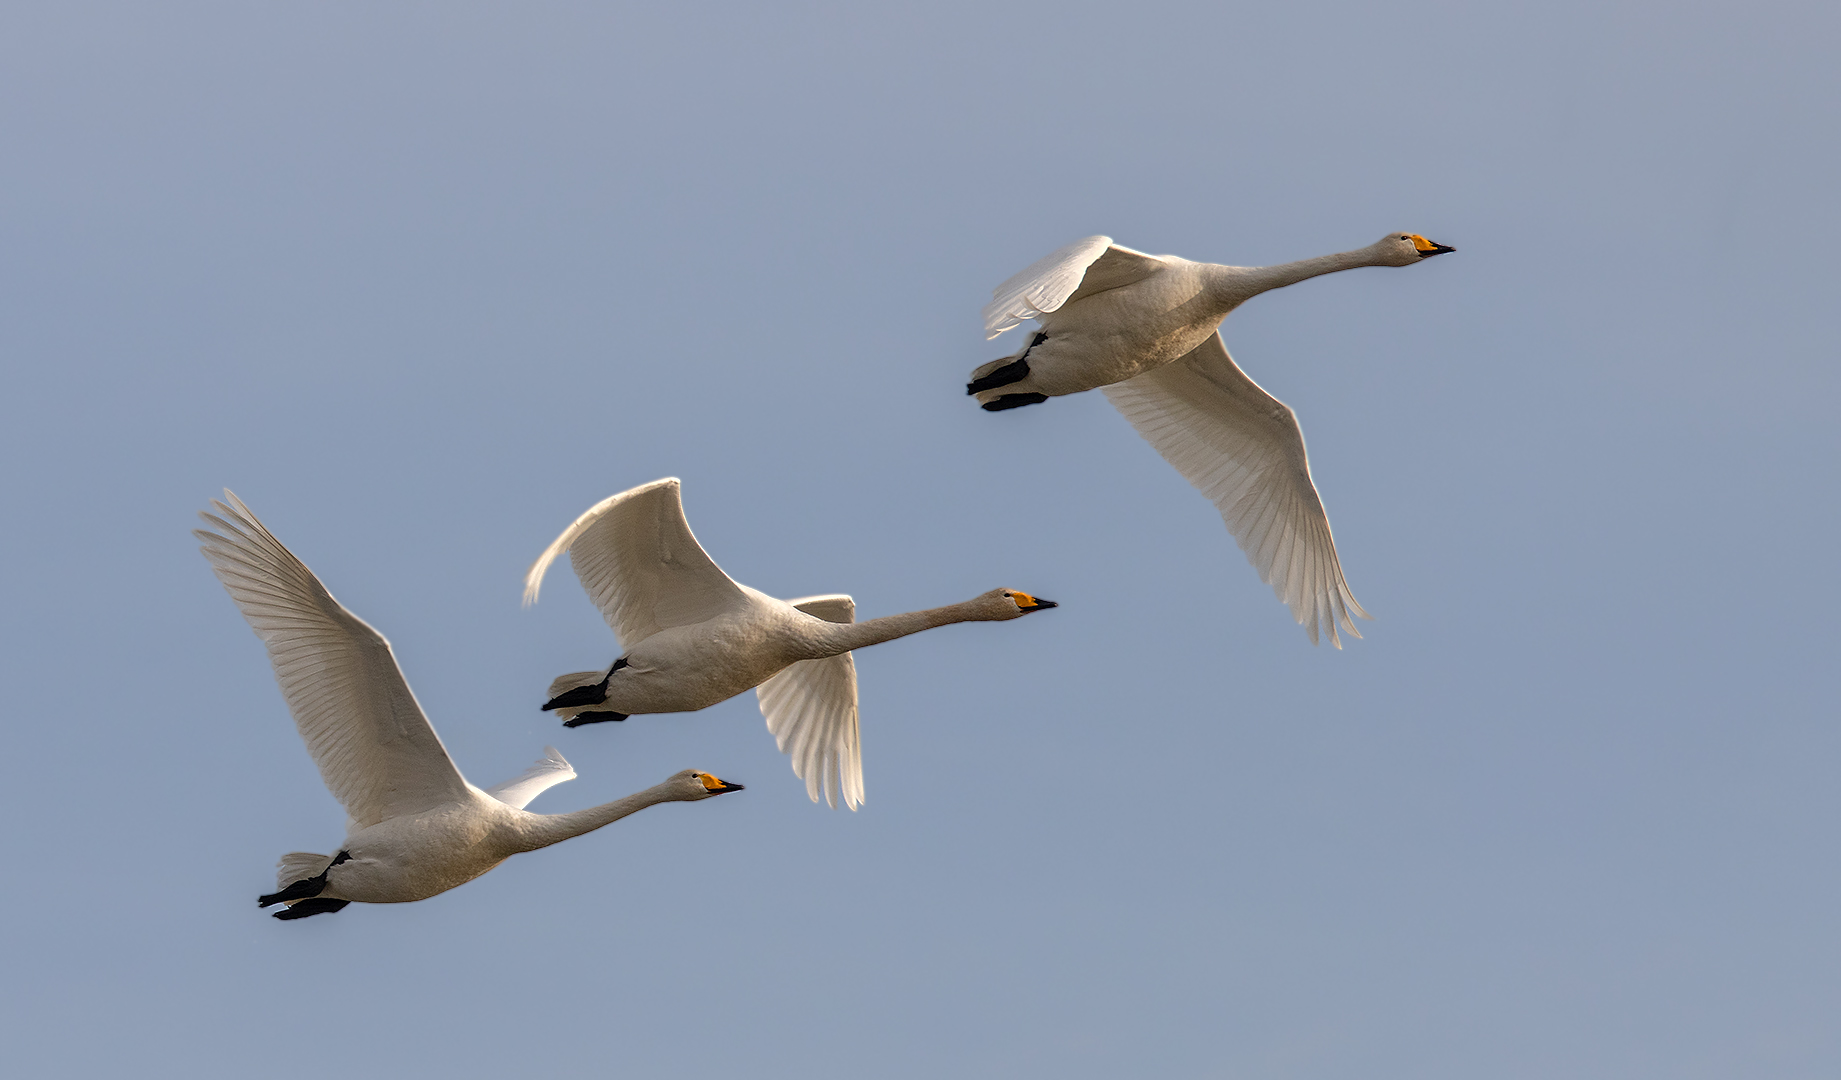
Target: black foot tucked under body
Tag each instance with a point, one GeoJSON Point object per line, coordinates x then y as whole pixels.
{"type": "Point", "coordinates": [318, 905]}
{"type": "Point", "coordinates": [305, 888]}
{"type": "Point", "coordinates": [592, 694]}
{"type": "Point", "coordinates": [593, 718]}
{"type": "Point", "coordinates": [1014, 401]}
{"type": "Point", "coordinates": [1015, 371]}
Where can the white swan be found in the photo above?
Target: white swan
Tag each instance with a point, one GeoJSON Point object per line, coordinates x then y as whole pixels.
{"type": "Point", "coordinates": [1147, 329]}
{"type": "Point", "coordinates": [691, 636]}
{"type": "Point", "coordinates": [415, 826]}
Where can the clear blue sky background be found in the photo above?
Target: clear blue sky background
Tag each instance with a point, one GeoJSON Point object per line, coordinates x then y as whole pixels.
{"type": "Point", "coordinates": [423, 281]}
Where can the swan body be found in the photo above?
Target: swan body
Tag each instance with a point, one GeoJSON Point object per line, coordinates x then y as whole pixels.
{"type": "Point", "coordinates": [1146, 329]}
{"type": "Point", "coordinates": [416, 827]}
{"type": "Point", "coordinates": [691, 636]}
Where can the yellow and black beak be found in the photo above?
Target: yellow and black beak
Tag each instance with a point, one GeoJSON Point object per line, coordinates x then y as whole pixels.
{"type": "Point", "coordinates": [1429, 248]}
{"type": "Point", "coordinates": [718, 786]}
{"type": "Point", "coordinates": [1030, 603]}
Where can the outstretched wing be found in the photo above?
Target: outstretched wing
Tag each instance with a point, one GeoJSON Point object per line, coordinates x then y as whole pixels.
{"type": "Point", "coordinates": [551, 769]}
{"type": "Point", "coordinates": [375, 748]}
{"type": "Point", "coordinates": [811, 709]}
{"type": "Point", "coordinates": [1242, 448]}
{"type": "Point", "coordinates": [635, 555]}
{"type": "Point", "coordinates": [1079, 270]}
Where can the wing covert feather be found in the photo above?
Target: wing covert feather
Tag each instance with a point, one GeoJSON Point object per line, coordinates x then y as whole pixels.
{"type": "Point", "coordinates": [374, 746]}
{"type": "Point", "coordinates": [1243, 449]}
{"type": "Point", "coordinates": [1116, 268]}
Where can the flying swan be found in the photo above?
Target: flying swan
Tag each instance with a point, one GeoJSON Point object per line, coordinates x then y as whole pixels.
{"type": "Point", "coordinates": [691, 637]}
{"type": "Point", "coordinates": [1146, 328]}
{"type": "Point", "coordinates": [415, 827]}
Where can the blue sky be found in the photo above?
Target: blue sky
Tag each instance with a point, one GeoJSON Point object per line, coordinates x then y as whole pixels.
{"type": "Point", "coordinates": [421, 282]}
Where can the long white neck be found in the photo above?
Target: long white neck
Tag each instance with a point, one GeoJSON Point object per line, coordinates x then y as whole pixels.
{"type": "Point", "coordinates": [1234, 285]}
{"type": "Point", "coordinates": [542, 830]}
{"type": "Point", "coordinates": [837, 638]}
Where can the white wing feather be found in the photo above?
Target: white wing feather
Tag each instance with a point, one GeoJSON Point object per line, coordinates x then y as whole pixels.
{"type": "Point", "coordinates": [551, 769]}
{"type": "Point", "coordinates": [1077, 271]}
{"type": "Point", "coordinates": [1242, 448]}
{"type": "Point", "coordinates": [635, 554]}
{"type": "Point", "coordinates": [811, 709]}
{"type": "Point", "coordinates": [376, 750]}
{"type": "Point", "coordinates": [1043, 287]}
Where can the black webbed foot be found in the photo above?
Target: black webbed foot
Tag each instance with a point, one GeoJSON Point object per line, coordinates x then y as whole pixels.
{"type": "Point", "coordinates": [1014, 401]}
{"type": "Point", "coordinates": [593, 718]}
{"type": "Point", "coordinates": [305, 887]}
{"type": "Point", "coordinates": [1015, 371]}
{"type": "Point", "coordinates": [315, 906]}
{"type": "Point", "coordinates": [593, 694]}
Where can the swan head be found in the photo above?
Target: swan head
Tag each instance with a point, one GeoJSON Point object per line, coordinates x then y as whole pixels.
{"type": "Point", "coordinates": [1405, 249]}
{"type": "Point", "coordinates": [693, 784]}
{"type": "Point", "coordinates": [1011, 604]}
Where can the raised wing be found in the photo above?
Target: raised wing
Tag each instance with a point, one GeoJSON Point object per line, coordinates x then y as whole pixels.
{"type": "Point", "coordinates": [1242, 448]}
{"type": "Point", "coordinates": [1079, 270]}
{"type": "Point", "coordinates": [635, 555]}
{"type": "Point", "coordinates": [375, 748]}
{"type": "Point", "coordinates": [551, 769]}
{"type": "Point", "coordinates": [811, 709]}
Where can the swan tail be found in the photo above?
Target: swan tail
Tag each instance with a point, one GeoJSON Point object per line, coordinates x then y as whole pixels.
{"type": "Point", "coordinates": [298, 866]}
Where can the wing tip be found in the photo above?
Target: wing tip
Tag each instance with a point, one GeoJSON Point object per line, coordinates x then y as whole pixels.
{"type": "Point", "coordinates": [551, 754]}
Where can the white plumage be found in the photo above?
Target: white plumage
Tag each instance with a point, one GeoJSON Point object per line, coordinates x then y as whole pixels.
{"type": "Point", "coordinates": [551, 769]}
{"type": "Point", "coordinates": [811, 710]}
{"type": "Point", "coordinates": [416, 827]}
{"type": "Point", "coordinates": [1146, 329]}
{"type": "Point", "coordinates": [691, 637]}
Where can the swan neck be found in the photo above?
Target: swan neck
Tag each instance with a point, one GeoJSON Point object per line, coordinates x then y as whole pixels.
{"type": "Point", "coordinates": [542, 830]}
{"type": "Point", "coordinates": [843, 637]}
{"type": "Point", "coordinates": [1242, 282]}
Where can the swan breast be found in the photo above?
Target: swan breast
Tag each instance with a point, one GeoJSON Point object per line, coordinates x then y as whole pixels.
{"type": "Point", "coordinates": [417, 856]}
